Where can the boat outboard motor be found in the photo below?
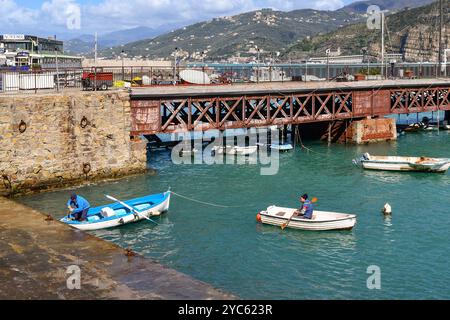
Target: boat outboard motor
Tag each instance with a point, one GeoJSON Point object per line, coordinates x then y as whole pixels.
{"type": "Point", "coordinates": [425, 122]}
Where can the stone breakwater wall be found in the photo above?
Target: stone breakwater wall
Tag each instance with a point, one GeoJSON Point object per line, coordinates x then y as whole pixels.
{"type": "Point", "coordinates": [62, 139]}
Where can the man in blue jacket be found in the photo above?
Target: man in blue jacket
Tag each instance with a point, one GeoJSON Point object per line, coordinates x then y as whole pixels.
{"type": "Point", "coordinates": [78, 207]}
{"type": "Point", "coordinates": [307, 209]}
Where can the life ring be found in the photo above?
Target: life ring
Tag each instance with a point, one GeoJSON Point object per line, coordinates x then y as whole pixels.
{"type": "Point", "coordinates": [22, 126]}
{"type": "Point", "coordinates": [84, 122]}
{"type": "Point", "coordinates": [86, 168]}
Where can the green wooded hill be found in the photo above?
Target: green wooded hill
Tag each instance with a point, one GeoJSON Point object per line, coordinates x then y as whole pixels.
{"type": "Point", "coordinates": [413, 32]}
{"type": "Point", "coordinates": [224, 37]}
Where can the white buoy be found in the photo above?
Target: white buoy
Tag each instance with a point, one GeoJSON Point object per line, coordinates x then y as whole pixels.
{"type": "Point", "coordinates": [387, 209]}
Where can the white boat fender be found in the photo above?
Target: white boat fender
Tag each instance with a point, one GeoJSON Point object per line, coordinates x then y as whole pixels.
{"type": "Point", "coordinates": [387, 209]}
{"type": "Point", "coordinates": [107, 212]}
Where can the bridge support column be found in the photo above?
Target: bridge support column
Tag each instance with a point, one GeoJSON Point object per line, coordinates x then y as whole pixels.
{"type": "Point", "coordinates": [370, 131]}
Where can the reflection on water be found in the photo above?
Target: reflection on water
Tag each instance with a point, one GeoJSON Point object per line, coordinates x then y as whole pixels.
{"type": "Point", "coordinates": [385, 176]}
{"type": "Point", "coordinates": [309, 240]}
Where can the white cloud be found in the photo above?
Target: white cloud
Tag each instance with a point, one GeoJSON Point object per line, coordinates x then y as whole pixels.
{"type": "Point", "coordinates": [12, 14]}
{"type": "Point", "coordinates": [61, 12]}
{"type": "Point", "coordinates": [111, 15]}
{"type": "Point", "coordinates": [328, 4]}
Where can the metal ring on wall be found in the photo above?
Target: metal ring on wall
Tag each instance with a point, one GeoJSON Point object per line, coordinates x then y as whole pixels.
{"type": "Point", "coordinates": [22, 126]}
{"type": "Point", "coordinates": [7, 182]}
{"type": "Point", "coordinates": [84, 122]}
{"type": "Point", "coordinates": [86, 168]}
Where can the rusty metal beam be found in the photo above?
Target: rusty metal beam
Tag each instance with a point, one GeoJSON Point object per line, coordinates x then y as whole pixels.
{"type": "Point", "coordinates": [232, 112]}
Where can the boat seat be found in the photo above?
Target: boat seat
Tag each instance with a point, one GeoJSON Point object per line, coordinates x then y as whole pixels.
{"type": "Point", "coordinates": [93, 218]}
{"type": "Point", "coordinates": [142, 207]}
{"type": "Point", "coordinates": [121, 212]}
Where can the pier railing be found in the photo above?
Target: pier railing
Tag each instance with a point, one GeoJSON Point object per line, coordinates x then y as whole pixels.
{"type": "Point", "coordinates": [52, 79]}
{"type": "Point", "coordinates": [34, 81]}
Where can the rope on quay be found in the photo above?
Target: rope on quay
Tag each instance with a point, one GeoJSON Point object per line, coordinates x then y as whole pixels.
{"type": "Point", "coordinates": [207, 203]}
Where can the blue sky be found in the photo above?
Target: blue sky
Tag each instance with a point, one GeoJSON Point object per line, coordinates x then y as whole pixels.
{"type": "Point", "coordinates": [67, 18]}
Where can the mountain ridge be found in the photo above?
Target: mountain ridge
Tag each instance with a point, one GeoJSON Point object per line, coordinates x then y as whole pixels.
{"type": "Point", "coordinates": [224, 37]}
{"type": "Point", "coordinates": [411, 32]}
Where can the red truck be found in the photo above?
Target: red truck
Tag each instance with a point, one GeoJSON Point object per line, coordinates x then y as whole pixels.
{"type": "Point", "coordinates": [97, 80]}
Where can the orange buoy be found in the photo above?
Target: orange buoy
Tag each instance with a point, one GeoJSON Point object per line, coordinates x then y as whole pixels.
{"type": "Point", "coordinates": [258, 218]}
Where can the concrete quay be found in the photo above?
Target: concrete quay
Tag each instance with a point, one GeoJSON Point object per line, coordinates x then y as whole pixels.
{"type": "Point", "coordinates": [40, 256]}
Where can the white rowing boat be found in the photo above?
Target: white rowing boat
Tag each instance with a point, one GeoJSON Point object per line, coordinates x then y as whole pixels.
{"type": "Point", "coordinates": [387, 163]}
{"type": "Point", "coordinates": [322, 221]}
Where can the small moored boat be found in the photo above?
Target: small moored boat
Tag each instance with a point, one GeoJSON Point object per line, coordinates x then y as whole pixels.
{"type": "Point", "coordinates": [117, 214]}
{"type": "Point", "coordinates": [235, 150]}
{"type": "Point", "coordinates": [387, 163]}
{"type": "Point", "coordinates": [322, 221]}
{"type": "Point", "coordinates": [279, 147]}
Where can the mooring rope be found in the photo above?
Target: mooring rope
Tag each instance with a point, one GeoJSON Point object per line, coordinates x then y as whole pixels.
{"type": "Point", "coordinates": [298, 138]}
{"type": "Point", "coordinates": [207, 203]}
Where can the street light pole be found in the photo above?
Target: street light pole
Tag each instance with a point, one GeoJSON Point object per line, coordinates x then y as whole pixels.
{"type": "Point", "coordinates": [382, 45]}
{"type": "Point", "coordinates": [257, 64]}
{"type": "Point", "coordinates": [123, 66]}
{"type": "Point", "coordinates": [440, 36]}
{"type": "Point", "coordinates": [306, 70]}
{"type": "Point", "coordinates": [203, 67]}
{"type": "Point", "coordinates": [175, 66]}
{"type": "Point", "coordinates": [328, 64]}
{"type": "Point", "coordinates": [57, 69]}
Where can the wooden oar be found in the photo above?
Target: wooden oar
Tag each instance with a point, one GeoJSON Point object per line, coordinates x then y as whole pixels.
{"type": "Point", "coordinates": [284, 225]}
{"type": "Point", "coordinates": [131, 208]}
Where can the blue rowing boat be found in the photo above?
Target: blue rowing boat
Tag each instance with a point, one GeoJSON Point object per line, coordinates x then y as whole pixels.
{"type": "Point", "coordinates": [117, 214]}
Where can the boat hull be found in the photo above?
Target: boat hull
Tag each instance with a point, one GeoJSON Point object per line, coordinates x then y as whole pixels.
{"type": "Point", "coordinates": [281, 147]}
{"type": "Point", "coordinates": [405, 166]}
{"type": "Point", "coordinates": [240, 151]}
{"type": "Point", "coordinates": [95, 222]}
{"type": "Point", "coordinates": [323, 221]}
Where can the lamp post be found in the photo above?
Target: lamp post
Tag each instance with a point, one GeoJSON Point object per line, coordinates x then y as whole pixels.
{"type": "Point", "coordinates": [175, 66]}
{"type": "Point", "coordinates": [306, 70]}
{"type": "Point", "coordinates": [441, 22]}
{"type": "Point", "coordinates": [328, 64]}
{"type": "Point", "coordinates": [57, 69]}
{"type": "Point", "coordinates": [203, 66]}
{"type": "Point", "coordinates": [123, 66]}
{"type": "Point", "coordinates": [382, 44]}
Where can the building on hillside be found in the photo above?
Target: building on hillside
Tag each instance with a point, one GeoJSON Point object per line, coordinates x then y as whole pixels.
{"type": "Point", "coordinates": [126, 63]}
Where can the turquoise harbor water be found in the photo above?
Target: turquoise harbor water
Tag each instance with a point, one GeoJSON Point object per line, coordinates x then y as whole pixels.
{"type": "Point", "coordinates": [228, 249]}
